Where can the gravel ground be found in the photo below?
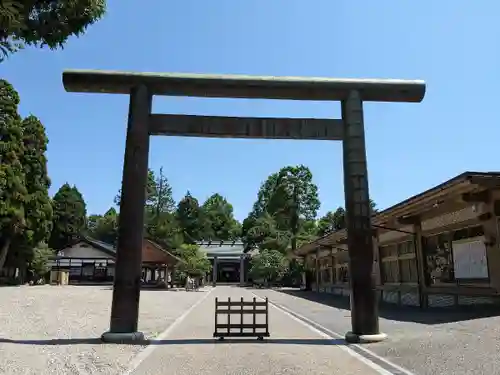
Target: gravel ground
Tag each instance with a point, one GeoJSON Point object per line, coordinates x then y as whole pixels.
{"type": "Point", "coordinates": [424, 342]}
{"type": "Point", "coordinates": [292, 349]}
{"type": "Point", "coordinates": [55, 329]}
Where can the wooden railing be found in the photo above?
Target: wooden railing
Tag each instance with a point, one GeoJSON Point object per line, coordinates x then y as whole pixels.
{"type": "Point", "coordinates": [232, 309]}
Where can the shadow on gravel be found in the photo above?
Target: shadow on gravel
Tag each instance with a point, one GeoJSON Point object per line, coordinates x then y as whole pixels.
{"type": "Point", "coordinates": [96, 341]}
{"type": "Point", "coordinates": [88, 341]}
{"type": "Point", "coordinates": [402, 313]}
{"type": "Point", "coordinates": [153, 289]}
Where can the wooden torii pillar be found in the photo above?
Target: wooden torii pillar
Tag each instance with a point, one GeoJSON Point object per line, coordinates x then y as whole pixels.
{"type": "Point", "coordinates": [141, 124]}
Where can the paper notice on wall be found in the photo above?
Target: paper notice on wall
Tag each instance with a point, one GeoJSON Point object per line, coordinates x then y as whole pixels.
{"type": "Point", "coordinates": [469, 259]}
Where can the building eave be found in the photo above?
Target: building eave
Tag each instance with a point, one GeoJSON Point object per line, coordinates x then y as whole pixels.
{"type": "Point", "coordinates": [416, 205]}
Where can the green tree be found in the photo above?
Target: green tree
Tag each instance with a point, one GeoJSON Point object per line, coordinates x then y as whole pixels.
{"type": "Point", "coordinates": [13, 192]}
{"type": "Point", "coordinates": [38, 207]}
{"type": "Point", "coordinates": [308, 231]}
{"type": "Point", "coordinates": [195, 262]}
{"type": "Point", "coordinates": [265, 234]}
{"type": "Point", "coordinates": [161, 199]}
{"type": "Point", "coordinates": [69, 217]}
{"type": "Point", "coordinates": [166, 231]}
{"type": "Point", "coordinates": [190, 219]}
{"type": "Point", "coordinates": [293, 275]}
{"type": "Point", "coordinates": [290, 199]}
{"type": "Point", "coordinates": [333, 221]}
{"type": "Point", "coordinates": [268, 265]}
{"type": "Point", "coordinates": [160, 221]}
{"type": "Point", "coordinates": [151, 192]}
{"type": "Point", "coordinates": [264, 195]}
{"type": "Point", "coordinates": [92, 223]}
{"type": "Point", "coordinates": [219, 219]}
{"type": "Point", "coordinates": [41, 257]}
{"type": "Point", "coordinates": [104, 228]}
{"type": "Point", "coordinates": [43, 23]}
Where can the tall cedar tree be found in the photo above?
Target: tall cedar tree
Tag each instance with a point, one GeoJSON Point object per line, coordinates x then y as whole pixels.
{"type": "Point", "coordinates": [38, 208]}
{"type": "Point", "coordinates": [160, 206]}
{"type": "Point", "coordinates": [219, 219]}
{"type": "Point", "coordinates": [43, 23]}
{"type": "Point", "coordinates": [69, 217]}
{"type": "Point", "coordinates": [13, 193]}
{"type": "Point", "coordinates": [189, 217]}
{"type": "Point", "coordinates": [161, 199]}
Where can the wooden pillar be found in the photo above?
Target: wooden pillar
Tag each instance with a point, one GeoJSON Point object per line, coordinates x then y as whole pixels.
{"type": "Point", "coordinates": [332, 269]}
{"type": "Point", "coordinates": [421, 264]}
{"type": "Point", "coordinates": [491, 236]}
{"type": "Point", "coordinates": [316, 268]}
{"type": "Point", "coordinates": [214, 274]}
{"type": "Point", "coordinates": [166, 276]}
{"type": "Point", "coordinates": [127, 283]}
{"type": "Point", "coordinates": [242, 270]}
{"type": "Point", "coordinates": [364, 306]}
{"type": "Point", "coordinates": [173, 275]}
{"type": "Point", "coordinates": [377, 270]}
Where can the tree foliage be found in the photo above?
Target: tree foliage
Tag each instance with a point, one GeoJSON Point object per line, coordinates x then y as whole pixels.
{"type": "Point", "coordinates": [38, 207]}
{"type": "Point", "coordinates": [41, 257]}
{"type": "Point", "coordinates": [195, 262]}
{"type": "Point", "coordinates": [268, 266]}
{"type": "Point", "coordinates": [13, 192]}
{"type": "Point", "coordinates": [104, 228]}
{"type": "Point", "coordinates": [333, 221]}
{"type": "Point", "coordinates": [43, 23]}
{"type": "Point", "coordinates": [69, 217]}
{"type": "Point", "coordinates": [25, 205]}
{"type": "Point", "coordinates": [189, 217]}
{"type": "Point", "coordinates": [166, 231]}
{"type": "Point", "coordinates": [172, 225]}
{"type": "Point", "coordinates": [151, 192]}
{"type": "Point", "coordinates": [161, 199]}
{"type": "Point", "coordinates": [286, 206]}
{"type": "Point", "coordinates": [161, 224]}
{"type": "Point", "coordinates": [218, 219]}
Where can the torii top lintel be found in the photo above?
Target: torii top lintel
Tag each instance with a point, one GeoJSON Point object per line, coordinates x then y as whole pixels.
{"type": "Point", "coordinates": [243, 86]}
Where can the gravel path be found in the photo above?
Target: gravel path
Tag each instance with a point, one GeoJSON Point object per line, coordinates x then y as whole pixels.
{"type": "Point", "coordinates": [426, 343]}
{"type": "Point", "coordinates": [55, 329]}
{"type": "Point", "coordinates": [292, 349]}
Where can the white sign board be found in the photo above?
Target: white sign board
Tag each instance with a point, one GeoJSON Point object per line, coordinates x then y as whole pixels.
{"type": "Point", "coordinates": [469, 259]}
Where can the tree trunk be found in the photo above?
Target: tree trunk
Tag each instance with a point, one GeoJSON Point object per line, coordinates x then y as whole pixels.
{"type": "Point", "coordinates": [4, 251]}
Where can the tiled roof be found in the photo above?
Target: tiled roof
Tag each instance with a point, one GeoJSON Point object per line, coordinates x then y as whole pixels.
{"type": "Point", "coordinates": [168, 253]}
{"type": "Point", "coordinates": [222, 248]}
{"type": "Point", "coordinates": [103, 246]}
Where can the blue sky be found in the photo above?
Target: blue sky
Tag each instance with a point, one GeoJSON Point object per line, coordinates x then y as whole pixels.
{"type": "Point", "coordinates": [453, 45]}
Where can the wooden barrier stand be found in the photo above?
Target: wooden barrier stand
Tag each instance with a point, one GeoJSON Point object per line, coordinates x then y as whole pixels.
{"type": "Point", "coordinates": [240, 329]}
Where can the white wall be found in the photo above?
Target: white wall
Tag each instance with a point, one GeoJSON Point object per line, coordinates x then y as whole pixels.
{"type": "Point", "coordinates": [83, 250]}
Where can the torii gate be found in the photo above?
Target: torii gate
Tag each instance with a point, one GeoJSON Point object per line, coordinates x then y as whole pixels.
{"type": "Point", "coordinates": [142, 123]}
